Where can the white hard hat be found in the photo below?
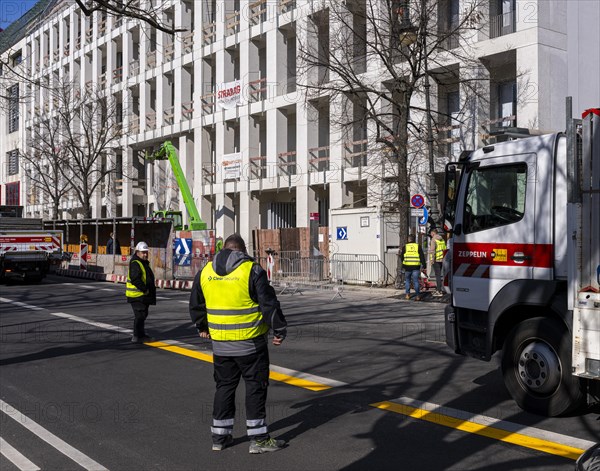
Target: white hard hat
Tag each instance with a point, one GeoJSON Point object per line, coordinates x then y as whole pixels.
{"type": "Point", "coordinates": [141, 247]}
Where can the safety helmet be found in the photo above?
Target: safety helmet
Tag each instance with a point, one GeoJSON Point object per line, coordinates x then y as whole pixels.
{"type": "Point", "coordinates": [141, 247]}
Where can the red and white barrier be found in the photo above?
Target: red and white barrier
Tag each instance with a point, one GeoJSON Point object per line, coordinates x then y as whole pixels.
{"type": "Point", "coordinates": [83, 252]}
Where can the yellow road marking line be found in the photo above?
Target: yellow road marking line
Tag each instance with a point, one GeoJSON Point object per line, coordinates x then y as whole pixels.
{"type": "Point", "coordinates": [277, 373]}
{"type": "Point", "coordinates": [181, 351]}
{"type": "Point", "coordinates": [301, 382]}
{"type": "Point", "coordinates": [480, 425]}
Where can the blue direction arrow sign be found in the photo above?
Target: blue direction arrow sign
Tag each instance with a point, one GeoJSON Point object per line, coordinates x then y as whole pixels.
{"type": "Point", "coordinates": [182, 252]}
{"type": "Point", "coordinates": [423, 220]}
{"type": "Point", "coordinates": [342, 233]}
{"type": "Point", "coordinates": [182, 246]}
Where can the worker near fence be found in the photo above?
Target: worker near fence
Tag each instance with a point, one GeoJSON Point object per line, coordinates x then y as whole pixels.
{"type": "Point", "coordinates": [112, 245]}
{"type": "Point", "coordinates": [233, 304]}
{"type": "Point", "coordinates": [412, 259]}
{"type": "Point", "coordinates": [140, 291]}
{"type": "Point", "coordinates": [437, 249]}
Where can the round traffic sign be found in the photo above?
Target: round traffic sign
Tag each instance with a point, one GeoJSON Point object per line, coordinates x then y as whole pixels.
{"type": "Point", "coordinates": [417, 201]}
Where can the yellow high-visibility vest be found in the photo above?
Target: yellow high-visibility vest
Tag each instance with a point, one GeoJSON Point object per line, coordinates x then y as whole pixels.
{"type": "Point", "coordinates": [232, 314]}
{"type": "Point", "coordinates": [131, 290]}
{"type": "Point", "coordinates": [440, 248]}
{"type": "Point", "coordinates": [411, 254]}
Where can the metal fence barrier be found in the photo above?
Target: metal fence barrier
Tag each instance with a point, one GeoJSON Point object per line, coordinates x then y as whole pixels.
{"type": "Point", "coordinates": [360, 269]}
{"type": "Point", "coordinates": [291, 267]}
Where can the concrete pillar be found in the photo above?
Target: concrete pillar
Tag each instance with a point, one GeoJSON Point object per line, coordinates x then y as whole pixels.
{"type": "Point", "coordinates": [197, 185]}
{"type": "Point", "coordinates": [276, 140]}
{"type": "Point", "coordinates": [249, 217]}
{"type": "Point", "coordinates": [111, 61]}
{"type": "Point", "coordinates": [306, 203]}
{"type": "Point", "coordinates": [127, 194]}
{"type": "Point", "coordinates": [127, 54]}
{"type": "Point", "coordinates": [337, 193]}
{"type": "Point", "coordinates": [529, 89]}
{"type": "Point", "coordinates": [145, 101]}
{"type": "Point", "coordinates": [483, 109]}
{"type": "Point", "coordinates": [224, 215]}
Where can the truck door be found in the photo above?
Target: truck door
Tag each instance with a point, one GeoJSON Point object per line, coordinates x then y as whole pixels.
{"type": "Point", "coordinates": [494, 238]}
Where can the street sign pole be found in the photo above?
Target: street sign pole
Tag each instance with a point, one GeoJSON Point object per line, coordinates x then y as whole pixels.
{"type": "Point", "coordinates": [417, 228]}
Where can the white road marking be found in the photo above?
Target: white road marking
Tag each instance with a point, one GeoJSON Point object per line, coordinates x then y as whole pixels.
{"type": "Point", "coordinates": [162, 297]}
{"type": "Point", "coordinates": [16, 458]}
{"type": "Point", "coordinates": [314, 378]}
{"type": "Point", "coordinates": [102, 325]}
{"type": "Point", "coordinates": [548, 439]}
{"type": "Point", "coordinates": [85, 286]}
{"type": "Point", "coordinates": [107, 289]}
{"type": "Point", "coordinates": [275, 368]}
{"type": "Point", "coordinates": [20, 304]}
{"type": "Point", "coordinates": [62, 446]}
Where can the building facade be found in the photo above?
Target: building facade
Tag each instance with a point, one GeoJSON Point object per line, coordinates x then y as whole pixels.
{"type": "Point", "coordinates": [228, 92]}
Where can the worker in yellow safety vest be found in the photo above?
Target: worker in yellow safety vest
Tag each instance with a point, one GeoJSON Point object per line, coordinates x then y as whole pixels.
{"type": "Point", "coordinates": [437, 250]}
{"type": "Point", "coordinates": [233, 304]}
{"type": "Point", "coordinates": [412, 258]}
{"type": "Point", "coordinates": [140, 291]}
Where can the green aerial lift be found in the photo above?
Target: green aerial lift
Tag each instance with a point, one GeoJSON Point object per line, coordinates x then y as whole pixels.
{"type": "Point", "coordinates": [168, 152]}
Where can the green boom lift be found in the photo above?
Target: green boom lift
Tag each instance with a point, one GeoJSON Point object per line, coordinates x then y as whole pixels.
{"type": "Point", "coordinates": [168, 152]}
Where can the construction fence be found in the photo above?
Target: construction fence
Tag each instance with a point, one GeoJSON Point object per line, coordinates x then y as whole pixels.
{"type": "Point", "coordinates": [286, 254]}
{"type": "Point", "coordinates": [296, 267]}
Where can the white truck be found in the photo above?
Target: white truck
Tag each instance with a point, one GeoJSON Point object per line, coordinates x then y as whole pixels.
{"type": "Point", "coordinates": [27, 251]}
{"type": "Point", "coordinates": [525, 263]}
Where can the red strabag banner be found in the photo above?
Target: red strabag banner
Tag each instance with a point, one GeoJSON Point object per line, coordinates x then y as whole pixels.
{"type": "Point", "coordinates": [229, 95]}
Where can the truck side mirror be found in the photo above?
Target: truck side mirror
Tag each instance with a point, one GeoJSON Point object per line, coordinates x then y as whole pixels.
{"type": "Point", "coordinates": [453, 175]}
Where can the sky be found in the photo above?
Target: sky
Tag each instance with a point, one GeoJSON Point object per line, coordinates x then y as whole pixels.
{"type": "Point", "coordinates": [11, 10]}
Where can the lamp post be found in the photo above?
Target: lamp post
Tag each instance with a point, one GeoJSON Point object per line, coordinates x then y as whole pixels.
{"type": "Point", "coordinates": [432, 190]}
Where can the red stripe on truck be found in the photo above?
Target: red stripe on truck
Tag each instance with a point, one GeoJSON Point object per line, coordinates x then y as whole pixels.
{"type": "Point", "coordinates": [501, 254]}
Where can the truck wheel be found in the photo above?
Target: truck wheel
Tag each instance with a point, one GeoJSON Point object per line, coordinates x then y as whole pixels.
{"type": "Point", "coordinates": [536, 365]}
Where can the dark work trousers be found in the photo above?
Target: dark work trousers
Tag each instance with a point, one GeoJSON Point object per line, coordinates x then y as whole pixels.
{"type": "Point", "coordinates": [228, 371]}
{"type": "Point", "coordinates": [437, 268]}
{"type": "Point", "coordinates": [140, 312]}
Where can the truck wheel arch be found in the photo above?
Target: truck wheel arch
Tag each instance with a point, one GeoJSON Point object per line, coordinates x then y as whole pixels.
{"type": "Point", "coordinates": [536, 298]}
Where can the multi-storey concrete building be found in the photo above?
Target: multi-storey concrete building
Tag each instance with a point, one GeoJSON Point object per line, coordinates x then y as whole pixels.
{"type": "Point", "coordinates": [267, 158]}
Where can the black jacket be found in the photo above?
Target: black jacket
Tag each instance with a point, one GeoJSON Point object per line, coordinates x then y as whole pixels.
{"type": "Point", "coordinates": [260, 291]}
{"type": "Point", "coordinates": [113, 246]}
{"type": "Point", "coordinates": [135, 275]}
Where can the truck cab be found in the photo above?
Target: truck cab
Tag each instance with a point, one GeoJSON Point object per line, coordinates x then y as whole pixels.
{"type": "Point", "coordinates": [512, 268]}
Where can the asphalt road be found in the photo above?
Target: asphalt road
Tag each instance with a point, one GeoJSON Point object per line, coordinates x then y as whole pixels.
{"type": "Point", "coordinates": [76, 394]}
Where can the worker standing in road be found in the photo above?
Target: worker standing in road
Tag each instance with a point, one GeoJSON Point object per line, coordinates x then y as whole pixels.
{"type": "Point", "coordinates": [233, 304]}
{"type": "Point", "coordinates": [436, 251]}
{"type": "Point", "coordinates": [141, 291]}
{"type": "Point", "coordinates": [412, 258]}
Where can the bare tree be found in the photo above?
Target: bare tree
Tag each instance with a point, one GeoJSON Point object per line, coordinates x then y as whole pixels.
{"type": "Point", "coordinates": [45, 160]}
{"type": "Point", "coordinates": [90, 126]}
{"type": "Point", "coordinates": [373, 59]}
{"type": "Point", "coordinates": [150, 12]}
